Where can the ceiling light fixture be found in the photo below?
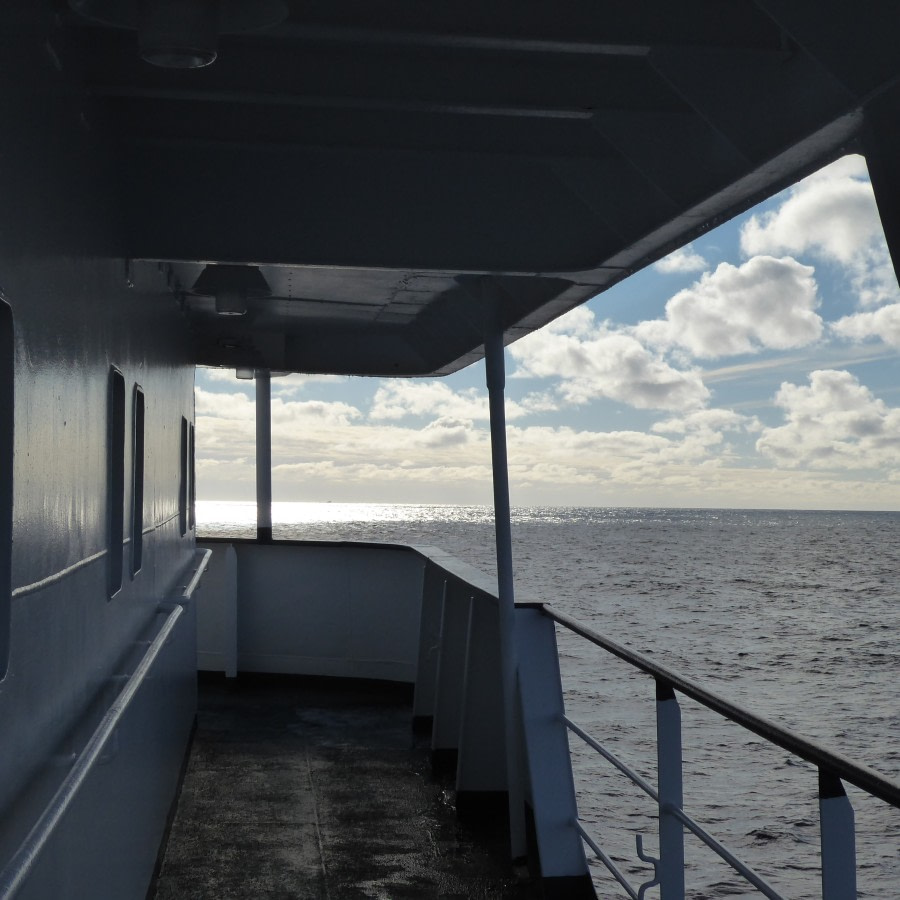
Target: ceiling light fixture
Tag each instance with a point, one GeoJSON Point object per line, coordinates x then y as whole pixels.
{"type": "Point", "coordinates": [182, 34]}
{"type": "Point", "coordinates": [231, 286]}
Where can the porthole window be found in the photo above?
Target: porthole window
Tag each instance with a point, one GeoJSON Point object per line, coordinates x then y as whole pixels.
{"type": "Point", "coordinates": [116, 479]}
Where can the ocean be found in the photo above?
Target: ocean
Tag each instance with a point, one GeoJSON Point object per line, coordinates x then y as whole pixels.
{"type": "Point", "coordinates": [792, 614]}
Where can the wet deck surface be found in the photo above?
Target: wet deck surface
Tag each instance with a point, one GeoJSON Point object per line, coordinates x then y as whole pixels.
{"type": "Point", "coordinates": [298, 789]}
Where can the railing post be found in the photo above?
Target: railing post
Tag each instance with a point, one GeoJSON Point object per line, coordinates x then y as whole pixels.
{"type": "Point", "coordinates": [671, 793]}
{"type": "Point", "coordinates": [838, 837]}
{"type": "Point", "coordinates": [263, 456]}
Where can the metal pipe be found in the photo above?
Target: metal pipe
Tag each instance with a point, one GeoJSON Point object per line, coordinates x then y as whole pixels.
{"type": "Point", "coordinates": [263, 456]}
{"type": "Point", "coordinates": [861, 776]}
{"type": "Point", "coordinates": [496, 383]}
{"type": "Point", "coordinates": [20, 865]}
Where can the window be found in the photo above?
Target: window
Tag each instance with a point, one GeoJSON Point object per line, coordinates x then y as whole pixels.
{"type": "Point", "coordinates": [116, 479]}
{"type": "Point", "coordinates": [183, 486]}
{"type": "Point", "coordinates": [7, 375]}
{"type": "Point", "coordinates": [192, 461]}
{"type": "Point", "coordinates": [137, 484]}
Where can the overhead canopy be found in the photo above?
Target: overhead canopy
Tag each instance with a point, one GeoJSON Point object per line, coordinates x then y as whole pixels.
{"type": "Point", "coordinates": [377, 159]}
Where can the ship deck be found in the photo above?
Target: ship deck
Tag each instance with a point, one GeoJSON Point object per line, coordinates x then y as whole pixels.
{"type": "Point", "coordinates": [299, 788]}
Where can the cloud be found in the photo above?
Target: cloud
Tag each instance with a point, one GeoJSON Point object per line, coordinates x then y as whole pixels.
{"type": "Point", "coordinates": [883, 323]}
{"type": "Point", "coordinates": [395, 400]}
{"type": "Point", "coordinates": [445, 433]}
{"type": "Point", "coordinates": [713, 420]}
{"type": "Point", "coordinates": [593, 361]}
{"type": "Point", "coordinates": [831, 215]}
{"type": "Point", "coordinates": [295, 383]}
{"type": "Point", "coordinates": [225, 406]}
{"type": "Point", "coordinates": [683, 260]}
{"type": "Point", "coordinates": [303, 413]}
{"type": "Point", "coordinates": [225, 376]}
{"type": "Point", "coordinates": [834, 423]}
{"type": "Point", "coordinates": [764, 303]}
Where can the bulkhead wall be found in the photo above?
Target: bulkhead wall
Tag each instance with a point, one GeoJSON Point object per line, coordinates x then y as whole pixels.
{"type": "Point", "coordinates": [78, 315]}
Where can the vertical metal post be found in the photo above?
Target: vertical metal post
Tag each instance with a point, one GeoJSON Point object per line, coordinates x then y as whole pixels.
{"type": "Point", "coordinates": [671, 793]}
{"type": "Point", "coordinates": [838, 837]}
{"type": "Point", "coordinates": [496, 383]}
{"type": "Point", "coordinates": [263, 456]}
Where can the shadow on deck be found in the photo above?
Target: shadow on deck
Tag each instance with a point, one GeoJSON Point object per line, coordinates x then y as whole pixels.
{"type": "Point", "coordinates": [310, 788]}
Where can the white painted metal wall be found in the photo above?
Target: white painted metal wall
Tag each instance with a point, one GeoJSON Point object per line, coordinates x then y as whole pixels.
{"type": "Point", "coordinates": [349, 611]}
{"type": "Point", "coordinates": [77, 311]}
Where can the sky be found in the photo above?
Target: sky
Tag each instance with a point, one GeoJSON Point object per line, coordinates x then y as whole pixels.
{"type": "Point", "coordinates": [755, 368]}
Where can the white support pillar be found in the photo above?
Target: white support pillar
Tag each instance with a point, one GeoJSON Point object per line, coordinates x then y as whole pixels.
{"type": "Point", "coordinates": [263, 456]}
{"type": "Point", "coordinates": [496, 383]}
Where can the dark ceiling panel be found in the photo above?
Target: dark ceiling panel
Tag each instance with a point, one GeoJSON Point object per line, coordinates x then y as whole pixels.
{"type": "Point", "coordinates": [376, 155]}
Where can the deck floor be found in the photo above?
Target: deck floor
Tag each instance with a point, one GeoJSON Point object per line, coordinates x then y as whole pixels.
{"type": "Point", "coordinates": [300, 789]}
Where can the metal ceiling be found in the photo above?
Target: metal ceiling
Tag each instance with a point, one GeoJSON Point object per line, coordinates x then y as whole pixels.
{"type": "Point", "coordinates": [395, 167]}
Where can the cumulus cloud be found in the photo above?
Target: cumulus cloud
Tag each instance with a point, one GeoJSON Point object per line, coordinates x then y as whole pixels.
{"type": "Point", "coordinates": [715, 420]}
{"type": "Point", "coordinates": [831, 215]}
{"type": "Point", "coordinates": [295, 384]}
{"type": "Point", "coordinates": [593, 361]}
{"type": "Point", "coordinates": [291, 413]}
{"type": "Point", "coordinates": [445, 432]}
{"type": "Point", "coordinates": [681, 261]}
{"type": "Point", "coordinates": [764, 303]}
{"type": "Point", "coordinates": [225, 376]}
{"type": "Point", "coordinates": [833, 423]}
{"type": "Point", "coordinates": [395, 400]}
{"type": "Point", "coordinates": [883, 324]}
{"type": "Point", "coordinates": [228, 406]}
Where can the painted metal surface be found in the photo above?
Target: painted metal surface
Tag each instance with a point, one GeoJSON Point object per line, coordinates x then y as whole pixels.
{"type": "Point", "coordinates": [670, 870]}
{"type": "Point", "coordinates": [838, 839]}
{"type": "Point", "coordinates": [76, 312]}
{"type": "Point", "coordinates": [98, 832]}
{"type": "Point", "coordinates": [495, 369]}
{"type": "Point", "coordinates": [314, 609]}
{"type": "Point", "coordinates": [837, 829]}
{"type": "Point", "coordinates": [373, 158]}
{"type": "Point", "coordinates": [263, 455]}
{"type": "Point", "coordinates": [551, 787]}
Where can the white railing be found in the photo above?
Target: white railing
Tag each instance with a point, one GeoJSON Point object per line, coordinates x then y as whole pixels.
{"type": "Point", "coordinates": [835, 811]}
{"type": "Point", "coordinates": [351, 595]}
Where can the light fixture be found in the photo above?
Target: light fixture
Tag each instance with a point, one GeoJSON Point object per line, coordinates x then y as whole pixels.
{"type": "Point", "coordinates": [182, 34]}
{"type": "Point", "coordinates": [231, 286]}
{"type": "Point", "coordinates": [175, 34]}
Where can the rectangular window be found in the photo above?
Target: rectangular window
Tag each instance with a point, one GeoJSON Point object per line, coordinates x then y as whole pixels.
{"type": "Point", "coordinates": [183, 490]}
{"type": "Point", "coordinates": [7, 376]}
{"type": "Point", "coordinates": [116, 479]}
{"type": "Point", "coordinates": [192, 462]}
{"type": "Point", "coordinates": [137, 483]}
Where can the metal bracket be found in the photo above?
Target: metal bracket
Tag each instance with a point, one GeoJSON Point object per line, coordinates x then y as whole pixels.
{"type": "Point", "coordinates": [645, 857]}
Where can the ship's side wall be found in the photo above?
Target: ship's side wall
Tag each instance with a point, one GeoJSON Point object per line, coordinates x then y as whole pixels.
{"type": "Point", "coordinates": [84, 336]}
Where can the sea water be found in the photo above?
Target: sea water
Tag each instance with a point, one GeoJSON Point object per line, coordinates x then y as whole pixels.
{"type": "Point", "coordinates": [792, 614]}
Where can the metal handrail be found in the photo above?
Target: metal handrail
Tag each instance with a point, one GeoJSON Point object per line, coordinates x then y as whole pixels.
{"type": "Point", "coordinates": [21, 863]}
{"type": "Point", "coordinates": [861, 776]}
{"type": "Point", "coordinates": [746, 871]}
